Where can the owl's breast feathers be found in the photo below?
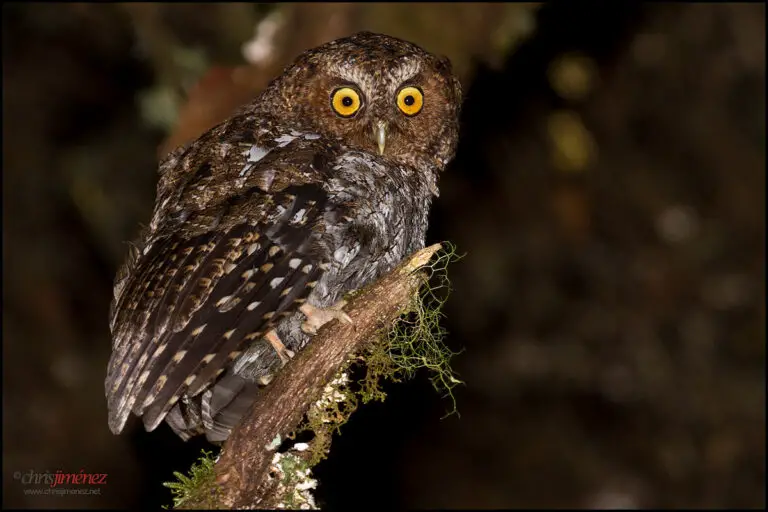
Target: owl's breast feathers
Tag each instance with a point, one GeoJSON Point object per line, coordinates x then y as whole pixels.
{"type": "Point", "coordinates": [247, 225]}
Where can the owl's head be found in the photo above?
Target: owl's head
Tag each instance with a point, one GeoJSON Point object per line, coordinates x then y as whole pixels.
{"type": "Point", "coordinates": [373, 93]}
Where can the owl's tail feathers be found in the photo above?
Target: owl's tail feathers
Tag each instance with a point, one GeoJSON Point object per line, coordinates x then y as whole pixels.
{"type": "Point", "coordinates": [216, 411]}
{"type": "Point", "coordinates": [184, 419]}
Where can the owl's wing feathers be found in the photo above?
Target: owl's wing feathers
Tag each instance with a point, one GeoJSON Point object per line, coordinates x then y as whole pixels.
{"type": "Point", "coordinates": [197, 297]}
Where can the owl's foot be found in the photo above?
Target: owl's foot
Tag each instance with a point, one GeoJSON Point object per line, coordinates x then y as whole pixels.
{"type": "Point", "coordinates": [264, 380]}
{"type": "Point", "coordinates": [274, 340]}
{"type": "Point", "coordinates": [318, 317]}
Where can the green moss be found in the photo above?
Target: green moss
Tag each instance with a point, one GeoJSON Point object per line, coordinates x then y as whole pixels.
{"type": "Point", "coordinates": [199, 487]}
{"type": "Point", "coordinates": [416, 341]}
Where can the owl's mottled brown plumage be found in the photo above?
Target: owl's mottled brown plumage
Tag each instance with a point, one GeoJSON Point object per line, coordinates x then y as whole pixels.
{"type": "Point", "coordinates": [287, 202]}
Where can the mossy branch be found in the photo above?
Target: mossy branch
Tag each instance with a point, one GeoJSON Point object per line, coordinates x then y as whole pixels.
{"type": "Point", "coordinates": [242, 471]}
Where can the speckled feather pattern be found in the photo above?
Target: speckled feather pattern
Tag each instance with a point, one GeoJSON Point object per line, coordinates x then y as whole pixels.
{"type": "Point", "coordinates": [283, 203]}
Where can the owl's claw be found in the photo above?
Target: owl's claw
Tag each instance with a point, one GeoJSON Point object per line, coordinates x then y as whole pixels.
{"type": "Point", "coordinates": [274, 340]}
{"type": "Point", "coordinates": [264, 380]}
{"type": "Point", "coordinates": [318, 317]}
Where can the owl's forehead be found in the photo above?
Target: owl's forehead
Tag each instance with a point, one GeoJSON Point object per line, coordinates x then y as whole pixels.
{"type": "Point", "coordinates": [387, 72]}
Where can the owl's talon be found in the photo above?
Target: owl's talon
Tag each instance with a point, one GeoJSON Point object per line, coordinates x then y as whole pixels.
{"type": "Point", "coordinates": [283, 353]}
{"type": "Point", "coordinates": [264, 380]}
{"type": "Point", "coordinates": [318, 317]}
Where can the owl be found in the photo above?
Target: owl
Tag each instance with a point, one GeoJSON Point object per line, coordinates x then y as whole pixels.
{"type": "Point", "coordinates": [316, 188]}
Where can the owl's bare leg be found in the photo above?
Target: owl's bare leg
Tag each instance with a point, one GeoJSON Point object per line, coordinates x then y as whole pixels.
{"type": "Point", "coordinates": [274, 340]}
{"type": "Point", "coordinates": [318, 317]}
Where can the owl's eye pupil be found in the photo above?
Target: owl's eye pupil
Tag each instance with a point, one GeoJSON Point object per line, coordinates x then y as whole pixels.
{"type": "Point", "coordinates": [347, 101]}
{"type": "Point", "coordinates": [409, 100]}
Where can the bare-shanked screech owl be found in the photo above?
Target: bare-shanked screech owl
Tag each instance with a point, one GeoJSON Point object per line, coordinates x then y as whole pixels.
{"type": "Point", "coordinates": [316, 188]}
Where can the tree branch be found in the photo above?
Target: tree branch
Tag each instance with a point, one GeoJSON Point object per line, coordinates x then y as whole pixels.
{"type": "Point", "coordinates": [244, 463]}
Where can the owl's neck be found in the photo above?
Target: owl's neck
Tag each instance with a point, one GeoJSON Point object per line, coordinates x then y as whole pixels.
{"type": "Point", "coordinates": [372, 175]}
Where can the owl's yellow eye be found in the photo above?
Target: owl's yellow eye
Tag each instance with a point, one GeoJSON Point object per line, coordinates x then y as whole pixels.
{"type": "Point", "coordinates": [410, 100]}
{"type": "Point", "coordinates": [345, 101]}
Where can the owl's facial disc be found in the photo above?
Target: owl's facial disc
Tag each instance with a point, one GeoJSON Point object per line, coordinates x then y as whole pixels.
{"type": "Point", "coordinates": [376, 94]}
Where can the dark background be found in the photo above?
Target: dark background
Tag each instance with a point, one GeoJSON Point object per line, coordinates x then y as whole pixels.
{"type": "Point", "coordinates": [608, 192]}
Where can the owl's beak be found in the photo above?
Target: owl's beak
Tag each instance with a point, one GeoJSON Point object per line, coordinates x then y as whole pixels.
{"type": "Point", "coordinates": [380, 135]}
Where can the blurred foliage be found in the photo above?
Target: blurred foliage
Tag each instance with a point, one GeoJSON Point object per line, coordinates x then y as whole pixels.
{"type": "Point", "coordinates": [609, 192]}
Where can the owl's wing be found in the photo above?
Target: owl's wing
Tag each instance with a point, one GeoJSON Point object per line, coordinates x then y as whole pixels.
{"type": "Point", "coordinates": [194, 302]}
